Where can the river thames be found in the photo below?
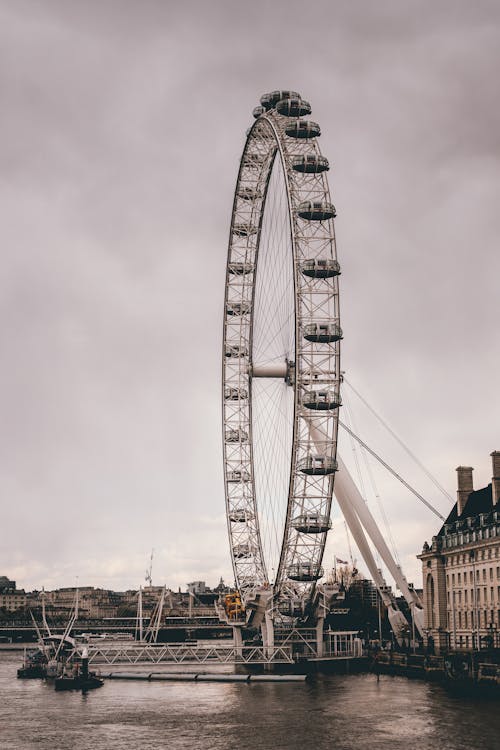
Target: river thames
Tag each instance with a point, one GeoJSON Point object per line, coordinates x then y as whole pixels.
{"type": "Point", "coordinates": [337, 712]}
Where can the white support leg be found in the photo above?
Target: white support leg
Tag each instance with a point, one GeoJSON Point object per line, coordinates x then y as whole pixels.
{"type": "Point", "coordinates": [267, 630]}
{"type": "Point", "coordinates": [237, 640]}
{"type": "Point", "coordinates": [353, 495]}
{"type": "Point", "coordinates": [320, 637]}
{"type": "Point", "coordinates": [357, 516]}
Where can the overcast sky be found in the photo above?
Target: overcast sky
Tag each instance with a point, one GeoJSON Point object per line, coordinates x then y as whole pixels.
{"type": "Point", "coordinates": [121, 128]}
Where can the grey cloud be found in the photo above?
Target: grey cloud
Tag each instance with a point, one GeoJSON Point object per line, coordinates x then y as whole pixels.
{"type": "Point", "coordinates": [120, 137]}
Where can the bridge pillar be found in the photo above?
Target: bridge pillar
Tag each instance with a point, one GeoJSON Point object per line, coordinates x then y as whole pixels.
{"type": "Point", "coordinates": [237, 640]}
{"type": "Point", "coordinates": [267, 630]}
{"type": "Point", "coordinates": [320, 637]}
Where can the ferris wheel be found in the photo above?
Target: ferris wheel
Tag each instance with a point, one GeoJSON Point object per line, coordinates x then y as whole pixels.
{"type": "Point", "coordinates": [281, 357]}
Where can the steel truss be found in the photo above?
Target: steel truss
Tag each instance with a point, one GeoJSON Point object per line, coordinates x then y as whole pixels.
{"type": "Point", "coordinates": [140, 654]}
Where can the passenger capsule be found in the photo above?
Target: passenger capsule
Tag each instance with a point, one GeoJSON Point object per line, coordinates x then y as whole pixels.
{"type": "Point", "coordinates": [316, 210]}
{"type": "Point", "coordinates": [321, 400]}
{"type": "Point", "coordinates": [317, 465]}
{"type": "Point", "coordinates": [238, 308]}
{"type": "Point", "coordinates": [293, 107]}
{"type": "Point", "coordinates": [249, 194]}
{"type": "Point", "coordinates": [236, 436]}
{"type": "Point", "coordinates": [235, 351]}
{"type": "Point", "coordinates": [310, 163]}
{"type": "Point", "coordinates": [240, 269]}
{"type": "Point", "coordinates": [304, 572]}
{"type": "Point", "coordinates": [302, 129]}
{"type": "Point", "coordinates": [244, 230]}
{"type": "Point", "coordinates": [258, 111]}
{"type": "Point", "coordinates": [238, 475]}
{"type": "Point", "coordinates": [322, 333]}
{"type": "Point", "coordinates": [240, 515]}
{"type": "Point", "coordinates": [235, 394]}
{"type": "Point", "coordinates": [320, 268]}
{"type": "Point", "coordinates": [269, 101]}
{"type": "Point", "coordinates": [242, 550]}
{"type": "Point", "coordinates": [311, 523]}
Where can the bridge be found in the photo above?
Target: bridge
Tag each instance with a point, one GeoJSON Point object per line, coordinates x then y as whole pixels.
{"type": "Point", "coordinates": [172, 627]}
{"type": "Point", "coordinates": [294, 647]}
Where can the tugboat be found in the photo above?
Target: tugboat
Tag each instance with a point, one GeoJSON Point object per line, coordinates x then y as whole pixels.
{"type": "Point", "coordinates": [78, 677]}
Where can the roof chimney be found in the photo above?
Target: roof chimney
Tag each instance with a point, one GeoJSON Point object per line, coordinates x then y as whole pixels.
{"type": "Point", "coordinates": [495, 482]}
{"type": "Point", "coordinates": [465, 486]}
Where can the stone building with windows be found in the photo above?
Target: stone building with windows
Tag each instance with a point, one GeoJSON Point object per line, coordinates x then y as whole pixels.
{"type": "Point", "coordinates": [12, 599]}
{"type": "Point", "coordinates": [461, 569]}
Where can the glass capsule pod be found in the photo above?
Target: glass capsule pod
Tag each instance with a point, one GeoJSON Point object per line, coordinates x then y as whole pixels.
{"type": "Point", "coordinates": [317, 465]}
{"type": "Point", "coordinates": [240, 515]}
{"type": "Point", "coordinates": [310, 163]}
{"type": "Point", "coordinates": [311, 523]}
{"type": "Point", "coordinates": [242, 550]}
{"type": "Point", "coordinates": [322, 333]}
{"type": "Point", "coordinates": [321, 400]}
{"type": "Point", "coordinates": [320, 268]}
{"type": "Point", "coordinates": [302, 129]}
{"type": "Point", "coordinates": [316, 210]}
{"type": "Point", "coordinates": [258, 111]}
{"type": "Point", "coordinates": [235, 394]}
{"type": "Point", "coordinates": [293, 107]}
{"type": "Point", "coordinates": [270, 100]}
{"type": "Point", "coordinates": [304, 572]}
{"type": "Point", "coordinates": [240, 269]}
{"type": "Point", "coordinates": [235, 350]}
{"type": "Point", "coordinates": [238, 475]}
{"type": "Point", "coordinates": [244, 230]}
{"type": "Point", "coordinates": [236, 436]}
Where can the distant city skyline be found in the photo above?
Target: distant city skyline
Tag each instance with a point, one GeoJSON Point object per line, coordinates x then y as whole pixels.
{"type": "Point", "coordinates": [122, 129]}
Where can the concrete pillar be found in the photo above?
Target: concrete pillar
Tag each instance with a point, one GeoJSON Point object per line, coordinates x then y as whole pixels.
{"type": "Point", "coordinates": [319, 637]}
{"type": "Point", "coordinates": [495, 481]}
{"type": "Point", "coordinates": [465, 486]}
{"type": "Point", "coordinates": [237, 640]}
{"type": "Point", "coordinates": [267, 630]}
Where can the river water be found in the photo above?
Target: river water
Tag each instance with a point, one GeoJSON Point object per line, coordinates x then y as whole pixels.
{"type": "Point", "coordinates": [351, 712]}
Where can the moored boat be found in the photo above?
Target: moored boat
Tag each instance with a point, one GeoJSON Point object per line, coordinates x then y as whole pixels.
{"type": "Point", "coordinates": [76, 676]}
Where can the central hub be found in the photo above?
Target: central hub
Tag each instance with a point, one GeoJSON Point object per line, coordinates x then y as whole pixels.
{"type": "Point", "coordinates": [281, 370]}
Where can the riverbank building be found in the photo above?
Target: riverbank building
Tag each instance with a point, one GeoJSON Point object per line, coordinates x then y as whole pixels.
{"type": "Point", "coordinates": [461, 569]}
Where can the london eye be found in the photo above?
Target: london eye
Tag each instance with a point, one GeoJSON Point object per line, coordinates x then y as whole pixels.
{"type": "Point", "coordinates": [281, 358]}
